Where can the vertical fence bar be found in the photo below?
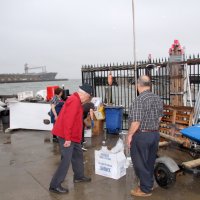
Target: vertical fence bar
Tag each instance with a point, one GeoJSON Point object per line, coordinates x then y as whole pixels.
{"type": "Point", "coordinates": [198, 73]}
{"type": "Point", "coordinates": [131, 81]}
{"type": "Point", "coordinates": [94, 80]}
{"type": "Point", "coordinates": [121, 87]}
{"type": "Point", "coordinates": [101, 85]}
{"type": "Point", "coordinates": [124, 103]}
{"type": "Point", "coordinates": [105, 83]}
{"type": "Point", "coordinates": [128, 103]}
{"type": "Point", "coordinates": [118, 87]}
{"type": "Point", "coordinates": [114, 86]}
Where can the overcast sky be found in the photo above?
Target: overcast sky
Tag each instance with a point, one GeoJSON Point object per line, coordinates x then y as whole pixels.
{"type": "Point", "coordinates": [66, 34]}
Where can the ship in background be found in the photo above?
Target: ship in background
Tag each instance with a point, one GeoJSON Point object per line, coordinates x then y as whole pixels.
{"type": "Point", "coordinates": [30, 77]}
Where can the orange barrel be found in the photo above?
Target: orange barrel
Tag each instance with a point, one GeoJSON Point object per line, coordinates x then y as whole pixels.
{"type": "Point", "coordinates": [50, 92]}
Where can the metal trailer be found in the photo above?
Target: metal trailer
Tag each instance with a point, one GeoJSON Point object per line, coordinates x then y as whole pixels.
{"type": "Point", "coordinates": [166, 168]}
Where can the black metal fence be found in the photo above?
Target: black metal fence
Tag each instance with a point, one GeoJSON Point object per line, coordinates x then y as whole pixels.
{"type": "Point", "coordinates": [122, 91]}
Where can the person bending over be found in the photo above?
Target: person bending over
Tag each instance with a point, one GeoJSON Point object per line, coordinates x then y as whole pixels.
{"type": "Point", "coordinates": [68, 129]}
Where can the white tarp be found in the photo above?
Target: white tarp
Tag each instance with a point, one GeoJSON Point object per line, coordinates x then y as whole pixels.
{"type": "Point", "coordinates": [27, 115]}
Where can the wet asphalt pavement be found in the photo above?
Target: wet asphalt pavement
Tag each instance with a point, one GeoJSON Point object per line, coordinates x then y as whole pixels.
{"type": "Point", "coordinates": [28, 160]}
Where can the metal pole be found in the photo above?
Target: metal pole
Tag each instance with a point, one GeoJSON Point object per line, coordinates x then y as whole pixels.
{"type": "Point", "coordinates": [134, 47]}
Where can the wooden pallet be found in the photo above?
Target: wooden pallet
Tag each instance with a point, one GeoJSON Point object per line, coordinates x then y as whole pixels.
{"type": "Point", "coordinates": [175, 119]}
{"type": "Point", "coordinates": [192, 163]}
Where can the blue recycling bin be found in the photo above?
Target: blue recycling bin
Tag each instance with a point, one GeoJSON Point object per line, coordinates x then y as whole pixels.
{"type": "Point", "coordinates": [114, 116]}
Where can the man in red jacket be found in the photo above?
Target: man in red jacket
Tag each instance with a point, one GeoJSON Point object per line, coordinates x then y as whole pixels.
{"type": "Point", "coordinates": [68, 128]}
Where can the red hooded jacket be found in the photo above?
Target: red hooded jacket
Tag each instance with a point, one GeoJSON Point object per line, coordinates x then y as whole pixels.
{"type": "Point", "coordinates": [69, 123]}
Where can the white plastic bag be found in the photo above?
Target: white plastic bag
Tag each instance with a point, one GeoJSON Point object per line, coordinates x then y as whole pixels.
{"type": "Point", "coordinates": [118, 147]}
{"type": "Point", "coordinates": [104, 149]}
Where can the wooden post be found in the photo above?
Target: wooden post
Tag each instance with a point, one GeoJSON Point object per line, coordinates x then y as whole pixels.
{"type": "Point", "coordinates": [176, 74]}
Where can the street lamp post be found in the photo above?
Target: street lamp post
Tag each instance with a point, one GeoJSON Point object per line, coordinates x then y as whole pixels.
{"type": "Point", "coordinates": [134, 47]}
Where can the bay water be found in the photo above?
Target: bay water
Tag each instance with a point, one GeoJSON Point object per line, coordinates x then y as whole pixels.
{"type": "Point", "coordinates": [13, 88]}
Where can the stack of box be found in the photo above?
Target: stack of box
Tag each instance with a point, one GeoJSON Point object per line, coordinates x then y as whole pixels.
{"type": "Point", "coordinates": [99, 117]}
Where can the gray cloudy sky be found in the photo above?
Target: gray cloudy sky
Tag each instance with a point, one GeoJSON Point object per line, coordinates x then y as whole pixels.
{"type": "Point", "coordinates": [66, 34]}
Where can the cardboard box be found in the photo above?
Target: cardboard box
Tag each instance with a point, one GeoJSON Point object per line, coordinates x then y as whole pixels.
{"type": "Point", "coordinates": [87, 121]}
{"type": "Point", "coordinates": [100, 113]}
{"type": "Point", "coordinates": [98, 127]}
{"type": "Point", "coordinates": [111, 165]}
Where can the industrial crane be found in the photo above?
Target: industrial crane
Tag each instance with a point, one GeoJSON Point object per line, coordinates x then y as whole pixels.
{"type": "Point", "coordinates": [26, 68]}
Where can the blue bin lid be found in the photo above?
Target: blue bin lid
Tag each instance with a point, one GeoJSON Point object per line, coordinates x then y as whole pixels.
{"type": "Point", "coordinates": [114, 107]}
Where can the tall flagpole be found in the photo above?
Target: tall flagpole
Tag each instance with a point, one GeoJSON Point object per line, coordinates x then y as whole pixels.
{"type": "Point", "coordinates": [134, 47]}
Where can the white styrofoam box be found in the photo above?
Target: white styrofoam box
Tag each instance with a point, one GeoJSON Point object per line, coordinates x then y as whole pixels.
{"type": "Point", "coordinates": [88, 133]}
{"type": "Point", "coordinates": [1, 108]}
{"type": "Point", "coordinates": [96, 101]}
{"type": "Point", "coordinates": [23, 95]}
{"type": "Point", "coordinates": [2, 103]}
{"type": "Point", "coordinates": [111, 165]}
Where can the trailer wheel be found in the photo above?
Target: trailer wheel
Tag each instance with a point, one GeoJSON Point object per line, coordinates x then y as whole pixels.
{"type": "Point", "coordinates": [163, 176]}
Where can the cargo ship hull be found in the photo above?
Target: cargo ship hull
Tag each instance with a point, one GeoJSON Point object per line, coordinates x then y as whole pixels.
{"type": "Point", "coordinates": [30, 77]}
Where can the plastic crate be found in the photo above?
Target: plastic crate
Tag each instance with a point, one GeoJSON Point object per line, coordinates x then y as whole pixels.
{"type": "Point", "coordinates": [114, 116]}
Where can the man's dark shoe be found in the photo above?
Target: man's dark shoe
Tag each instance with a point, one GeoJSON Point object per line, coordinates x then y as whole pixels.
{"type": "Point", "coordinates": [59, 190]}
{"type": "Point", "coordinates": [55, 140]}
{"type": "Point", "coordinates": [83, 179]}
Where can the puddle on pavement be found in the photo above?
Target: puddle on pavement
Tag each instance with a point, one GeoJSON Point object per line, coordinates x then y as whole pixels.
{"type": "Point", "coordinates": [7, 140]}
{"type": "Point", "coordinates": [47, 139]}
